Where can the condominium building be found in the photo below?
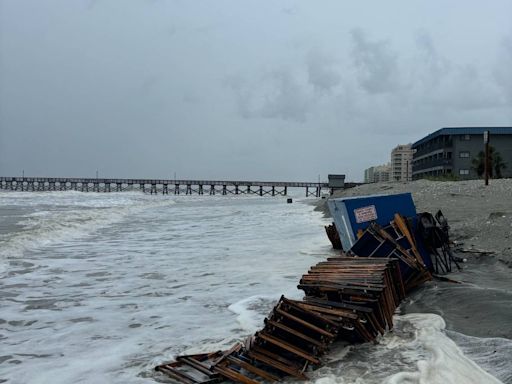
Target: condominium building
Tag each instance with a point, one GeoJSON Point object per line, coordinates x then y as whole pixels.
{"type": "Point", "coordinates": [454, 151]}
{"type": "Point", "coordinates": [401, 163]}
{"type": "Point", "coordinates": [377, 174]}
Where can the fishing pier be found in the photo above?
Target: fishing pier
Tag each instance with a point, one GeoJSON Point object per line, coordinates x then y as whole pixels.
{"type": "Point", "coordinates": [169, 186]}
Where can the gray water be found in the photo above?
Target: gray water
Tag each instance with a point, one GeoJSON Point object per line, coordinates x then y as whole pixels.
{"type": "Point", "coordinates": [100, 288]}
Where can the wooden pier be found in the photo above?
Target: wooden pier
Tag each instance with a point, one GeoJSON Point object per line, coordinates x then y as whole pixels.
{"type": "Point", "coordinates": [162, 186]}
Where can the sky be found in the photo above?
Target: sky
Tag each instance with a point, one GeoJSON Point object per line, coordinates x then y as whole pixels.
{"type": "Point", "coordinates": [247, 90]}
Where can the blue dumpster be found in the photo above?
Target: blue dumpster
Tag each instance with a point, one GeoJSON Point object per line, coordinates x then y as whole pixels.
{"type": "Point", "coordinates": [351, 214]}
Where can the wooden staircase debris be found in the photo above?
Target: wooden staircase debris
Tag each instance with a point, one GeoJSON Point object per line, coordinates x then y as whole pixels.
{"type": "Point", "coordinates": [333, 236]}
{"type": "Point", "coordinates": [349, 298]}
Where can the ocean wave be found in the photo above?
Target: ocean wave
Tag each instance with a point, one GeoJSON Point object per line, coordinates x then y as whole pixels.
{"type": "Point", "coordinates": [417, 351]}
{"type": "Point", "coordinates": [68, 217]}
{"type": "Point", "coordinates": [252, 310]}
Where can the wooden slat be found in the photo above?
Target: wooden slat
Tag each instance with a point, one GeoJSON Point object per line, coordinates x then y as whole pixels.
{"type": "Point", "coordinates": [304, 323]}
{"type": "Point", "coordinates": [251, 368]}
{"type": "Point", "coordinates": [275, 363]}
{"type": "Point", "coordinates": [294, 332]}
{"type": "Point", "coordinates": [177, 374]}
{"type": "Point", "coordinates": [289, 347]}
{"type": "Point", "coordinates": [234, 375]}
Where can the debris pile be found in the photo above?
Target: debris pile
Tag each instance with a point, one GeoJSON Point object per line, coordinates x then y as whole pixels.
{"type": "Point", "coordinates": [395, 240]}
{"type": "Point", "coordinates": [351, 297]}
{"type": "Point", "coordinates": [347, 298]}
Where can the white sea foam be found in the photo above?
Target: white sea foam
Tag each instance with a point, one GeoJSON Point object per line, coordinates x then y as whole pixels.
{"type": "Point", "coordinates": [417, 351]}
{"type": "Point", "coordinates": [101, 288]}
{"type": "Point", "coordinates": [252, 310]}
{"type": "Point", "coordinates": [445, 361]}
{"type": "Point", "coordinates": [65, 216]}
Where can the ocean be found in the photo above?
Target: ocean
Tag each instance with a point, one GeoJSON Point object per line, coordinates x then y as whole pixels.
{"type": "Point", "coordinates": [100, 288]}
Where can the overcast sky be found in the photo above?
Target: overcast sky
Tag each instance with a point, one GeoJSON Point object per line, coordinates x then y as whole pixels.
{"type": "Point", "coordinates": [274, 90]}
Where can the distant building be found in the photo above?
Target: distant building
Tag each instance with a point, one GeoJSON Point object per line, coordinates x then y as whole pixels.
{"type": "Point", "coordinates": [401, 163]}
{"type": "Point", "coordinates": [450, 151]}
{"type": "Point", "coordinates": [336, 181]}
{"type": "Point", "coordinates": [377, 174]}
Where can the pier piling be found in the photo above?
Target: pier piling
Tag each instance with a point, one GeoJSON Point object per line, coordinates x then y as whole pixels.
{"type": "Point", "coordinates": [261, 188]}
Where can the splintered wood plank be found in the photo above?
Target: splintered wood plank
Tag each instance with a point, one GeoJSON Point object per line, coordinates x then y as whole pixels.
{"type": "Point", "coordinates": [182, 377]}
{"type": "Point", "coordinates": [234, 375]}
{"type": "Point", "coordinates": [304, 323]}
{"type": "Point", "coordinates": [294, 332]}
{"type": "Point", "coordinates": [277, 364]}
{"type": "Point", "coordinates": [251, 368]}
{"type": "Point", "coordinates": [195, 364]}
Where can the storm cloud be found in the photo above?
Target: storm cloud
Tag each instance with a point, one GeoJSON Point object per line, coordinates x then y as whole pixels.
{"type": "Point", "coordinates": [259, 90]}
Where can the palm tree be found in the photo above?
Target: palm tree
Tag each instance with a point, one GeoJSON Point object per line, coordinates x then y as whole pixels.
{"type": "Point", "coordinates": [478, 163]}
{"type": "Point", "coordinates": [495, 163]}
{"type": "Point", "coordinates": [499, 164]}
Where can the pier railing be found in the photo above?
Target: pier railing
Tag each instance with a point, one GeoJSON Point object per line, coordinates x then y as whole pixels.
{"type": "Point", "coordinates": [163, 186]}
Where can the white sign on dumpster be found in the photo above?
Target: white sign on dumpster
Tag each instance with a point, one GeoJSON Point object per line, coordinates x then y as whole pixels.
{"type": "Point", "coordinates": [365, 214]}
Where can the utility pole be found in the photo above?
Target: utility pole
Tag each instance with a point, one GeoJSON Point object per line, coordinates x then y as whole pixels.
{"type": "Point", "coordinates": [96, 174]}
{"type": "Point", "coordinates": [486, 157]}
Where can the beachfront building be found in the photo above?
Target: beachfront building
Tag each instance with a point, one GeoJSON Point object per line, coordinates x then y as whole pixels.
{"type": "Point", "coordinates": [401, 163]}
{"type": "Point", "coordinates": [455, 152]}
{"type": "Point", "coordinates": [377, 174]}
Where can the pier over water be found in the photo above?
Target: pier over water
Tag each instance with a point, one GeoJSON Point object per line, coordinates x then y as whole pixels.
{"type": "Point", "coordinates": [162, 186]}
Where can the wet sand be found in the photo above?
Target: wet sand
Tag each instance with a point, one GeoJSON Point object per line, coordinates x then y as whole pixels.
{"type": "Point", "coordinates": [480, 219]}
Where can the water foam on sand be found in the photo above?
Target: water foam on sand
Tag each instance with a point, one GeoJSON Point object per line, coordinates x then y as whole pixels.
{"type": "Point", "coordinates": [140, 279]}
{"type": "Point", "coordinates": [445, 361]}
{"type": "Point", "coordinates": [64, 216]}
{"type": "Point", "coordinates": [252, 310]}
{"type": "Point", "coordinates": [417, 351]}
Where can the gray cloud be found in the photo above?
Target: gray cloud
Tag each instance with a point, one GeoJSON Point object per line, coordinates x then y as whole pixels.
{"type": "Point", "coordinates": [503, 68]}
{"type": "Point", "coordinates": [240, 89]}
{"type": "Point", "coordinates": [284, 98]}
{"type": "Point", "coordinates": [375, 62]}
{"type": "Point", "coordinates": [321, 70]}
{"type": "Point", "coordinates": [433, 67]}
{"type": "Point", "coordinates": [277, 94]}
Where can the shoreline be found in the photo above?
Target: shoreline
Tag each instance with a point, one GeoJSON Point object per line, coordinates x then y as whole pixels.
{"type": "Point", "coordinates": [480, 220]}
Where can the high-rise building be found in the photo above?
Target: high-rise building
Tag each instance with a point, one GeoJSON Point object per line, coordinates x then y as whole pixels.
{"type": "Point", "coordinates": [377, 174]}
{"type": "Point", "coordinates": [401, 163]}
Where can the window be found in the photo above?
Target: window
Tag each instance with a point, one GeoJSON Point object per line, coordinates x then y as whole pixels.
{"type": "Point", "coordinates": [465, 137]}
{"type": "Point", "coordinates": [464, 154]}
{"type": "Point", "coordinates": [463, 171]}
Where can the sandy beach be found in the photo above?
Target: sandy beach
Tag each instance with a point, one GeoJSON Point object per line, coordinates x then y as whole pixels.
{"type": "Point", "coordinates": [480, 219]}
{"type": "Point", "coordinates": [480, 216]}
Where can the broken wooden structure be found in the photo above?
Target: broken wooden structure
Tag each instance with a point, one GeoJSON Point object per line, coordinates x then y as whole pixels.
{"type": "Point", "coordinates": [349, 298]}
{"type": "Point", "coordinates": [333, 236]}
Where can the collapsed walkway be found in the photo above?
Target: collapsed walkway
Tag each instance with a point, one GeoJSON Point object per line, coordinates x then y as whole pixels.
{"type": "Point", "coordinates": [348, 298]}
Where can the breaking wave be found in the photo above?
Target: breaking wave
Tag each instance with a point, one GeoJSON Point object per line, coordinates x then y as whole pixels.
{"type": "Point", "coordinates": [64, 216]}
{"type": "Point", "coordinates": [417, 351]}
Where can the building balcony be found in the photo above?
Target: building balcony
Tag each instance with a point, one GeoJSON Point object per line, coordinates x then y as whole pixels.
{"type": "Point", "coordinates": [431, 147]}
{"type": "Point", "coordinates": [431, 164]}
